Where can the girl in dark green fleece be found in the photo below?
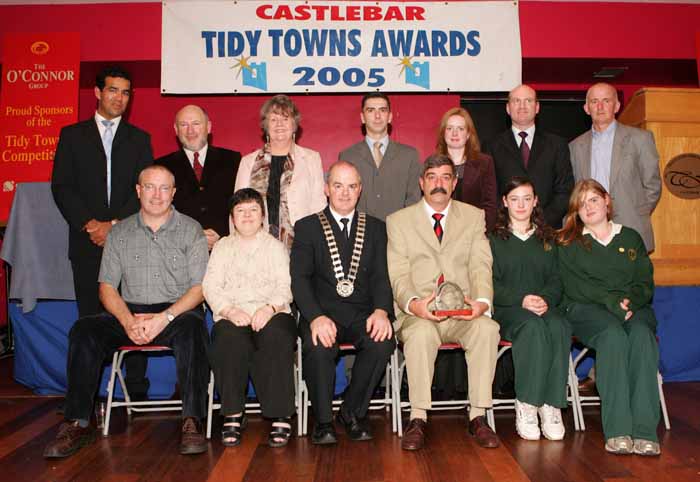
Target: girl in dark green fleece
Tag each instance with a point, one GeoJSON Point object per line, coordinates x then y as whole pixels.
{"type": "Point", "coordinates": [527, 290]}
{"type": "Point", "coordinates": [608, 285]}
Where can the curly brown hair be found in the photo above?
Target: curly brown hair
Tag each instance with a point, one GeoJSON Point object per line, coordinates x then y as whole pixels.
{"type": "Point", "coordinates": [543, 232]}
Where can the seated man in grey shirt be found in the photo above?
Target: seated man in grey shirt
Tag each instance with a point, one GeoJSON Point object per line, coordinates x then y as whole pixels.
{"type": "Point", "coordinates": [158, 257]}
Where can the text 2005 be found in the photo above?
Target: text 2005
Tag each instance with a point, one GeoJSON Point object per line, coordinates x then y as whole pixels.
{"type": "Point", "coordinates": [329, 76]}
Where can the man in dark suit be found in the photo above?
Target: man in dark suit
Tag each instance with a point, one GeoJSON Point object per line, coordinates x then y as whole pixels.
{"type": "Point", "coordinates": [389, 170]}
{"type": "Point", "coordinates": [204, 174]}
{"type": "Point", "coordinates": [538, 155]}
{"type": "Point", "coordinates": [95, 170]}
{"type": "Point", "coordinates": [341, 286]}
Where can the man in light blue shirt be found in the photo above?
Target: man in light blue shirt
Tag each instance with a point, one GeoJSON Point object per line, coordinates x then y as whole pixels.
{"type": "Point", "coordinates": [623, 159]}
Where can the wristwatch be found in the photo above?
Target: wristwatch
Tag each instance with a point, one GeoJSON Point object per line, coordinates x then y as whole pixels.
{"type": "Point", "coordinates": [169, 316]}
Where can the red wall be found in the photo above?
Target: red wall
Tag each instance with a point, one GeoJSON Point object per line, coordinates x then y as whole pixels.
{"type": "Point", "coordinates": [131, 34]}
{"type": "Point", "coordinates": [548, 29]}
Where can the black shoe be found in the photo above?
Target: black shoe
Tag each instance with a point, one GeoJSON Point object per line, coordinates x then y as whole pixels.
{"type": "Point", "coordinates": [324, 434]}
{"type": "Point", "coordinates": [356, 429]}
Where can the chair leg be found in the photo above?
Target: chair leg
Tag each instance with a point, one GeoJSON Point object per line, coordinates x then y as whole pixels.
{"type": "Point", "coordinates": [122, 382]}
{"type": "Point", "coordinates": [399, 404]}
{"type": "Point", "coordinates": [110, 392]}
{"type": "Point", "coordinates": [299, 392]}
{"type": "Point", "coordinates": [210, 403]}
{"type": "Point", "coordinates": [574, 381]}
{"type": "Point", "coordinates": [662, 398]}
{"type": "Point", "coordinates": [574, 395]}
{"type": "Point", "coordinates": [490, 419]}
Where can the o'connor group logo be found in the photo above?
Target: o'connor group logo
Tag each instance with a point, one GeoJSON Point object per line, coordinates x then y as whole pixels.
{"type": "Point", "coordinates": [40, 48]}
{"type": "Point", "coordinates": [682, 176]}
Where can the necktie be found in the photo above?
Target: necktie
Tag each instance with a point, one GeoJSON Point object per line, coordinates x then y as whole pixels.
{"type": "Point", "coordinates": [107, 139]}
{"type": "Point", "coordinates": [197, 167]}
{"type": "Point", "coordinates": [437, 227]}
{"type": "Point", "coordinates": [377, 153]}
{"type": "Point", "coordinates": [345, 229]}
{"type": "Point", "coordinates": [524, 148]}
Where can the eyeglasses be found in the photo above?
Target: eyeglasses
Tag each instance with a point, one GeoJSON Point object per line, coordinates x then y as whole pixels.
{"type": "Point", "coordinates": [164, 189]}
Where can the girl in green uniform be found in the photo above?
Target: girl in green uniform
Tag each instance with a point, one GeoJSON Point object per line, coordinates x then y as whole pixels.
{"type": "Point", "coordinates": [527, 290]}
{"type": "Point", "coordinates": [608, 285]}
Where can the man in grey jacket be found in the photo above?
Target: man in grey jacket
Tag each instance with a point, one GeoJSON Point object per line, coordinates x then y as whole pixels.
{"type": "Point", "coordinates": [623, 159]}
{"type": "Point", "coordinates": [389, 170]}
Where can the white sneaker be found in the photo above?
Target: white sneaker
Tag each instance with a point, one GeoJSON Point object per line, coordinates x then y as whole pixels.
{"type": "Point", "coordinates": [552, 424]}
{"type": "Point", "coordinates": [526, 421]}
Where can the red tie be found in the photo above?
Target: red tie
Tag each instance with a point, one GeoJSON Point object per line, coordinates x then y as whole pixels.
{"type": "Point", "coordinates": [524, 148]}
{"type": "Point", "coordinates": [197, 167]}
{"type": "Point", "coordinates": [437, 227]}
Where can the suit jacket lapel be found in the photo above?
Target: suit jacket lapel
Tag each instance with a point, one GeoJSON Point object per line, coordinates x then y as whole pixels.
{"type": "Point", "coordinates": [452, 224]}
{"type": "Point", "coordinates": [619, 143]}
{"type": "Point", "coordinates": [535, 150]}
{"type": "Point", "coordinates": [425, 226]}
{"type": "Point", "coordinates": [510, 143]}
{"type": "Point", "coordinates": [120, 136]}
{"type": "Point", "coordinates": [93, 139]}
{"type": "Point", "coordinates": [366, 154]}
{"type": "Point", "coordinates": [585, 157]}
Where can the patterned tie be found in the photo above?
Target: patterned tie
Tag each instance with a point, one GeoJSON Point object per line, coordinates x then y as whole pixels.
{"type": "Point", "coordinates": [197, 167]}
{"type": "Point", "coordinates": [524, 148]}
{"type": "Point", "coordinates": [345, 229]}
{"type": "Point", "coordinates": [437, 227]}
{"type": "Point", "coordinates": [377, 153]}
{"type": "Point", "coordinates": [107, 139]}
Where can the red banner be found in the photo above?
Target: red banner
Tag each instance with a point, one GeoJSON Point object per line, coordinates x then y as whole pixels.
{"type": "Point", "coordinates": [39, 95]}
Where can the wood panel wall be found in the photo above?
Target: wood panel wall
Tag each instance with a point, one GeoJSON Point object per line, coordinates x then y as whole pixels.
{"type": "Point", "coordinates": [673, 115]}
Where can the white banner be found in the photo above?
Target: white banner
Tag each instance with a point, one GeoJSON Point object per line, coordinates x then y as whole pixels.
{"type": "Point", "coordinates": [326, 46]}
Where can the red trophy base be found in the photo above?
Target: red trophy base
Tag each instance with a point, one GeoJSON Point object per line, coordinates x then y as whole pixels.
{"type": "Point", "coordinates": [448, 313]}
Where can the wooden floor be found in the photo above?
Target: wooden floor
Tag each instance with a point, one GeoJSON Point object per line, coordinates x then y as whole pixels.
{"type": "Point", "coordinates": [146, 449]}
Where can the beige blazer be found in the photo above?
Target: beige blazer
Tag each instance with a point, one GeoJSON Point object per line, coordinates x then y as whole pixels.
{"type": "Point", "coordinates": [416, 258]}
{"type": "Point", "coordinates": [305, 195]}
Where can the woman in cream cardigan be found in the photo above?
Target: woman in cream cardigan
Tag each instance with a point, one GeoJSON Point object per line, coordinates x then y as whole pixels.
{"type": "Point", "coordinates": [248, 288]}
{"type": "Point", "coordinates": [288, 176]}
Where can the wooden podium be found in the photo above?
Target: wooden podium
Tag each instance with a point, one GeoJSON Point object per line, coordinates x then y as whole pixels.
{"type": "Point", "coordinates": [673, 115]}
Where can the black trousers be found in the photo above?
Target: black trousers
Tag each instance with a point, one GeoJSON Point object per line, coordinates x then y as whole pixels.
{"type": "Point", "coordinates": [367, 371]}
{"type": "Point", "coordinates": [94, 339]}
{"type": "Point", "coordinates": [86, 270]}
{"type": "Point", "coordinates": [267, 356]}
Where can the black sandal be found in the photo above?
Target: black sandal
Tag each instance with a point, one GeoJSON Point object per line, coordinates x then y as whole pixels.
{"type": "Point", "coordinates": [232, 429]}
{"type": "Point", "coordinates": [280, 433]}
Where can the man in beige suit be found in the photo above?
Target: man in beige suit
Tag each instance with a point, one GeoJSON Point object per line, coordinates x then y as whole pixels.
{"type": "Point", "coordinates": [439, 236]}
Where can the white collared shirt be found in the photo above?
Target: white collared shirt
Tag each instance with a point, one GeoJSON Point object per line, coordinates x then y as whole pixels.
{"type": "Point", "coordinates": [370, 143]}
{"type": "Point", "coordinates": [614, 231]}
{"type": "Point", "coordinates": [530, 135]}
{"type": "Point", "coordinates": [202, 155]}
{"type": "Point", "coordinates": [524, 236]}
{"type": "Point", "coordinates": [338, 217]}
{"type": "Point", "coordinates": [429, 209]}
{"type": "Point", "coordinates": [102, 128]}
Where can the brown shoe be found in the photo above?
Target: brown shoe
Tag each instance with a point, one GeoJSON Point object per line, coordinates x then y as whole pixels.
{"type": "Point", "coordinates": [483, 434]}
{"type": "Point", "coordinates": [587, 387]}
{"type": "Point", "coordinates": [193, 441]}
{"type": "Point", "coordinates": [414, 436]}
{"type": "Point", "coordinates": [71, 437]}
